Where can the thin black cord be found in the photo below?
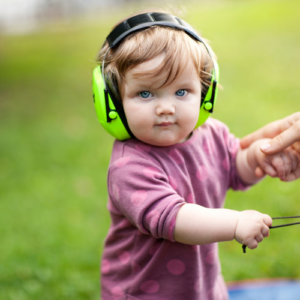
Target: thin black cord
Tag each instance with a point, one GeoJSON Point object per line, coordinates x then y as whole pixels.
{"type": "Point", "coordinates": [292, 217]}
{"type": "Point", "coordinates": [284, 225]}
{"type": "Point", "coordinates": [277, 226]}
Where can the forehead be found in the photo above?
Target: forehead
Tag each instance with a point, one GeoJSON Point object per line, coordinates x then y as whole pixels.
{"type": "Point", "coordinates": [136, 53]}
{"type": "Point", "coordinates": [154, 73]}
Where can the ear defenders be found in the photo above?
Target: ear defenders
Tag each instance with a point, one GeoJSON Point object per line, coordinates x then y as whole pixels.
{"type": "Point", "coordinates": [107, 100]}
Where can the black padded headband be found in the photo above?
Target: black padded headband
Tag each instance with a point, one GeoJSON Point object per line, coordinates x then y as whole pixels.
{"type": "Point", "coordinates": [146, 20]}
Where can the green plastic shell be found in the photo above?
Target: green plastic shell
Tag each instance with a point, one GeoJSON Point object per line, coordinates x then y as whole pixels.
{"type": "Point", "coordinates": [204, 114]}
{"type": "Point", "coordinates": [115, 127]}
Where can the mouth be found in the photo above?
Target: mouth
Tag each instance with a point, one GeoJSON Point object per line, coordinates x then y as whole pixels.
{"type": "Point", "coordinates": [165, 124]}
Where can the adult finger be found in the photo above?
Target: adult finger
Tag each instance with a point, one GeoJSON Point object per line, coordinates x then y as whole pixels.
{"type": "Point", "coordinates": [283, 140]}
{"type": "Point", "coordinates": [296, 147]}
{"type": "Point", "coordinates": [270, 130]}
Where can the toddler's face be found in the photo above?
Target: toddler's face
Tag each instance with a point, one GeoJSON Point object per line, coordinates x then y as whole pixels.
{"type": "Point", "coordinates": [161, 116]}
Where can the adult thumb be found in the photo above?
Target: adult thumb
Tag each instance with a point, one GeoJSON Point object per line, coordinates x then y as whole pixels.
{"type": "Point", "coordinates": [283, 140]}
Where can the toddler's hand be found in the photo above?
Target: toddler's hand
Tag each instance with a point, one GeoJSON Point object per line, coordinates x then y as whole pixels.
{"type": "Point", "coordinates": [279, 165]}
{"type": "Point", "coordinates": [252, 227]}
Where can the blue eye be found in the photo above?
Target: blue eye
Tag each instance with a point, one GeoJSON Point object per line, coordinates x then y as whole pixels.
{"type": "Point", "coordinates": [145, 94]}
{"type": "Point", "coordinates": [181, 93]}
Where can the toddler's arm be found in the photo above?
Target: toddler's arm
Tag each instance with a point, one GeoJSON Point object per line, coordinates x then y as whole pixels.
{"type": "Point", "coordinates": [281, 165]}
{"type": "Point", "coordinates": [196, 225]}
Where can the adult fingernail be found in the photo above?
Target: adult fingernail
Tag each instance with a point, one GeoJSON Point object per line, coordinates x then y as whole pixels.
{"type": "Point", "coordinates": [265, 147]}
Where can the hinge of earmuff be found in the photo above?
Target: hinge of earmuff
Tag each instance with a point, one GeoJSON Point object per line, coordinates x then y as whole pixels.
{"type": "Point", "coordinates": [108, 109]}
{"type": "Point", "coordinates": [209, 104]}
{"type": "Point", "coordinates": [213, 92]}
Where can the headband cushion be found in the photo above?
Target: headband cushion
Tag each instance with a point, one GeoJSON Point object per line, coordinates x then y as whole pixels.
{"type": "Point", "coordinates": [142, 21]}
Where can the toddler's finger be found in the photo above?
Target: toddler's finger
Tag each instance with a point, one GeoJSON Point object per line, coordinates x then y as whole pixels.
{"type": "Point", "coordinates": [259, 172]}
{"type": "Point", "coordinates": [292, 176]}
{"type": "Point", "coordinates": [278, 165]}
{"type": "Point", "coordinates": [265, 231]}
{"type": "Point", "coordinates": [259, 238]}
{"type": "Point", "coordinates": [270, 171]}
{"type": "Point", "coordinates": [252, 244]}
{"type": "Point", "coordinates": [287, 164]}
{"type": "Point", "coordinates": [294, 156]}
{"type": "Point", "coordinates": [267, 220]}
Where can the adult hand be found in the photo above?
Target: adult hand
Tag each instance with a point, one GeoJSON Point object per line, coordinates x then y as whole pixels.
{"type": "Point", "coordinates": [284, 133]}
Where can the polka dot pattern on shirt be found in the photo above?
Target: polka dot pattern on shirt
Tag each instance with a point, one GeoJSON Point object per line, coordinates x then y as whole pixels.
{"type": "Point", "coordinates": [122, 161]}
{"type": "Point", "coordinates": [202, 173]}
{"type": "Point", "coordinates": [105, 266]}
{"type": "Point", "coordinates": [117, 292]}
{"type": "Point", "coordinates": [211, 257]}
{"type": "Point", "coordinates": [151, 172]}
{"type": "Point", "coordinates": [138, 197]}
{"type": "Point", "coordinates": [176, 266]}
{"type": "Point", "coordinates": [173, 182]}
{"type": "Point", "coordinates": [124, 257]}
{"type": "Point", "coordinates": [150, 287]}
{"type": "Point", "coordinates": [190, 198]}
{"type": "Point", "coordinates": [116, 192]}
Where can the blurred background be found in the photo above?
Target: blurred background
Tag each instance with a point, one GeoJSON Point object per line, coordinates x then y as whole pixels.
{"type": "Point", "coordinates": [54, 154]}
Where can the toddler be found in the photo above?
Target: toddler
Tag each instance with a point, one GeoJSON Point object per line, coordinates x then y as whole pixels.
{"type": "Point", "coordinates": [167, 184]}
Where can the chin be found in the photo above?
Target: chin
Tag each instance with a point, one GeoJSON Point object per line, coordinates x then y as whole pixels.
{"type": "Point", "coordinates": [165, 142]}
{"type": "Point", "coordinates": [161, 140]}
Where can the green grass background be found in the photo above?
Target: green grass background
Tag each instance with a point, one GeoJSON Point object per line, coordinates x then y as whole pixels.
{"type": "Point", "coordinates": [54, 153]}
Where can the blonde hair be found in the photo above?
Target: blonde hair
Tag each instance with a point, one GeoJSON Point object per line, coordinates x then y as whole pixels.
{"type": "Point", "coordinates": [178, 48]}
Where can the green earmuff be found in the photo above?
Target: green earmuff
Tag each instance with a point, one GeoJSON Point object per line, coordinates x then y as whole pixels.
{"type": "Point", "coordinates": [106, 110]}
{"type": "Point", "coordinates": [108, 106]}
{"type": "Point", "coordinates": [208, 100]}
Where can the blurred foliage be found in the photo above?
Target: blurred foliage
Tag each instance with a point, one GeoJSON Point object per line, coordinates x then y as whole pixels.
{"type": "Point", "coordinates": [54, 154]}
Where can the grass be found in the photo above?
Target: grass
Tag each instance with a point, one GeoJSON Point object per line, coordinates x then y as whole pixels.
{"type": "Point", "coordinates": [54, 154]}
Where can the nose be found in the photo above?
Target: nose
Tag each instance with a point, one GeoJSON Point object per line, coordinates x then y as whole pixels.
{"type": "Point", "coordinates": [165, 107]}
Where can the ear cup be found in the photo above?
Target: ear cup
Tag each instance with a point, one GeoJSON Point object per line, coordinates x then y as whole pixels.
{"type": "Point", "coordinates": [208, 99]}
{"type": "Point", "coordinates": [106, 111]}
{"type": "Point", "coordinates": [112, 86]}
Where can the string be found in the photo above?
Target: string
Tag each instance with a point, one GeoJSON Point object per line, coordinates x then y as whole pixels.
{"type": "Point", "coordinates": [292, 217]}
{"type": "Point", "coordinates": [283, 225]}
{"type": "Point", "coordinates": [277, 226]}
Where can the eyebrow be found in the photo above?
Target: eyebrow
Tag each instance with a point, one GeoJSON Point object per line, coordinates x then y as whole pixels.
{"type": "Point", "coordinates": [147, 82]}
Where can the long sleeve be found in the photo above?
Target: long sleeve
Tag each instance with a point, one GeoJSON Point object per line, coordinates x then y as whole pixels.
{"type": "Point", "coordinates": [141, 191]}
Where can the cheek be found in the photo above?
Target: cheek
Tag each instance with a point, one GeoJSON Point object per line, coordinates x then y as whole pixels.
{"type": "Point", "coordinates": [191, 114]}
{"type": "Point", "coordinates": [136, 117]}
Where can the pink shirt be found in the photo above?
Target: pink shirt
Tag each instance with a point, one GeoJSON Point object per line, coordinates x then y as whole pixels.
{"type": "Point", "coordinates": [147, 185]}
